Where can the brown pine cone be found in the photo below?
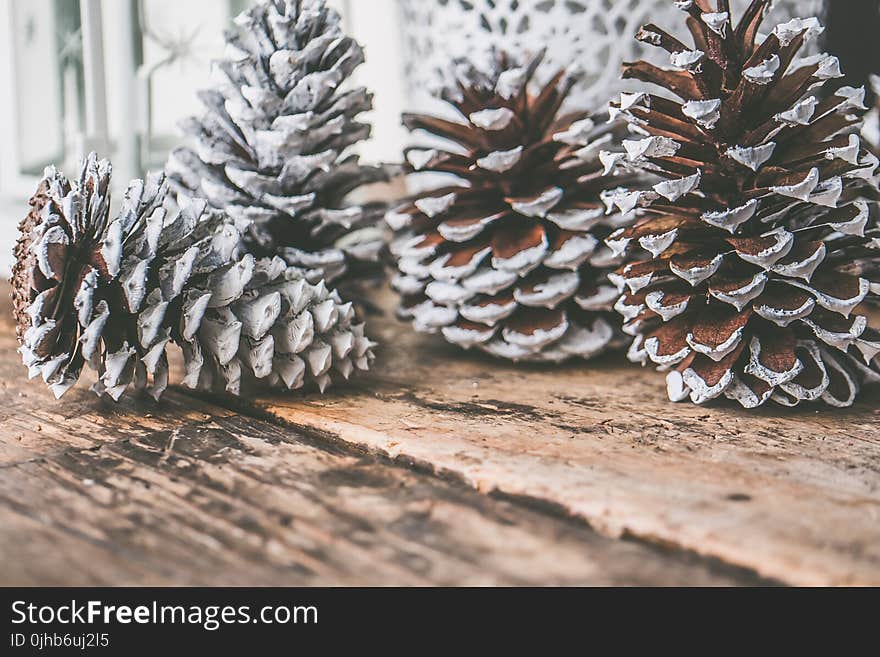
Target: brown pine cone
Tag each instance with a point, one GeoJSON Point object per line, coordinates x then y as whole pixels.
{"type": "Point", "coordinates": [509, 256]}
{"type": "Point", "coordinates": [764, 246]}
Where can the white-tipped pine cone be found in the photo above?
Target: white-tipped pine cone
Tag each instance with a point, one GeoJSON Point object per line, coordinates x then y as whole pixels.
{"type": "Point", "coordinates": [114, 293]}
{"type": "Point", "coordinates": [763, 238]}
{"type": "Point", "coordinates": [509, 256]}
{"type": "Point", "coordinates": [272, 147]}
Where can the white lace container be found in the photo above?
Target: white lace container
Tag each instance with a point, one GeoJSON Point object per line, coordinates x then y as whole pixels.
{"type": "Point", "coordinates": [598, 34]}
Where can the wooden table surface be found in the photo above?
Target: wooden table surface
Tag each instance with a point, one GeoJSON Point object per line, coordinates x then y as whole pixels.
{"type": "Point", "coordinates": [438, 467]}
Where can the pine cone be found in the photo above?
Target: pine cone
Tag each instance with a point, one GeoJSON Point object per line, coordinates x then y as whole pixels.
{"type": "Point", "coordinates": [762, 249]}
{"type": "Point", "coordinates": [271, 149]}
{"type": "Point", "coordinates": [509, 257]}
{"type": "Point", "coordinates": [115, 292]}
{"type": "Point", "coordinates": [276, 327]}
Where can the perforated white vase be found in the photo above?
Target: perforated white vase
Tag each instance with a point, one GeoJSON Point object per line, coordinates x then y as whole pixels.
{"type": "Point", "coordinates": [598, 34]}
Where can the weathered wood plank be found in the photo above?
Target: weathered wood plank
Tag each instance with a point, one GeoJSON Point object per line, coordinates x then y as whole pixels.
{"type": "Point", "coordinates": [794, 495]}
{"type": "Point", "coordinates": [91, 494]}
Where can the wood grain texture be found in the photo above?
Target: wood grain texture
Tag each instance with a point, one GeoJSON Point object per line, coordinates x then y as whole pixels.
{"type": "Point", "coordinates": [792, 494]}
{"type": "Point", "coordinates": [188, 493]}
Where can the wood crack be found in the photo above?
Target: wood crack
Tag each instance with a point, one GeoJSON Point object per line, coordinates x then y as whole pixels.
{"type": "Point", "coordinates": [491, 407]}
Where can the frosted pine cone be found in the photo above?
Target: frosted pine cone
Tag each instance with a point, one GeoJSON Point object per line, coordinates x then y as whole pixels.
{"type": "Point", "coordinates": [273, 326]}
{"type": "Point", "coordinates": [509, 256]}
{"type": "Point", "coordinates": [272, 148]}
{"type": "Point", "coordinates": [114, 293]}
{"type": "Point", "coordinates": [763, 251]}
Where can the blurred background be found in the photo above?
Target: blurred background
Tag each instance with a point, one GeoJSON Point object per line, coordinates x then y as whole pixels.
{"type": "Point", "coordinates": [116, 76]}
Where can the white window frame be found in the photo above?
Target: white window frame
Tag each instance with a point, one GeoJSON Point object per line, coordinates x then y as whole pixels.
{"type": "Point", "coordinates": [13, 184]}
{"type": "Point", "coordinates": [372, 23]}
